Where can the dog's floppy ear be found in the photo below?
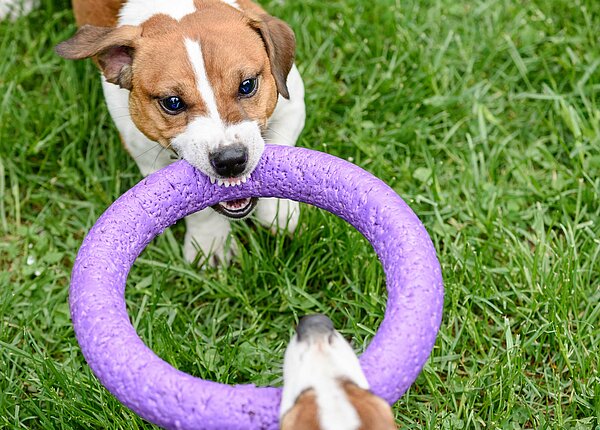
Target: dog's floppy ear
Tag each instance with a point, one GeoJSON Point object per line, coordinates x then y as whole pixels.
{"type": "Point", "coordinates": [281, 46]}
{"type": "Point", "coordinates": [113, 49]}
{"type": "Point", "coordinates": [303, 415]}
{"type": "Point", "coordinates": [373, 411]}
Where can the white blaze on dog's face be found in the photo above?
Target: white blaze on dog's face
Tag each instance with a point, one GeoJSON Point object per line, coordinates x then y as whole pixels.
{"type": "Point", "coordinates": [204, 77]}
{"type": "Point", "coordinates": [324, 385]}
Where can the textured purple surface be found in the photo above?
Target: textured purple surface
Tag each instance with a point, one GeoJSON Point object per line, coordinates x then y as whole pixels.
{"type": "Point", "coordinates": [172, 399]}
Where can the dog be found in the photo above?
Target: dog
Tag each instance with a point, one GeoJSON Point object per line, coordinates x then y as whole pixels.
{"type": "Point", "coordinates": [209, 81]}
{"type": "Point", "coordinates": [324, 387]}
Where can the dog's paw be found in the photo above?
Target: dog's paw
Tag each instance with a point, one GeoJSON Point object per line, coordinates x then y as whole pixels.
{"type": "Point", "coordinates": [207, 239]}
{"type": "Point", "coordinates": [278, 214]}
{"type": "Point", "coordinates": [218, 252]}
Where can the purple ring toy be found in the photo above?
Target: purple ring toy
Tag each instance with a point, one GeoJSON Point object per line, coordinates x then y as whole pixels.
{"type": "Point", "coordinates": [174, 400]}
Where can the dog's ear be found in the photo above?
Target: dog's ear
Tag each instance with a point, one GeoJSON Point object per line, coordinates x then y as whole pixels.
{"type": "Point", "coordinates": [373, 411]}
{"type": "Point", "coordinates": [281, 46]}
{"type": "Point", "coordinates": [303, 415]}
{"type": "Point", "coordinates": [112, 48]}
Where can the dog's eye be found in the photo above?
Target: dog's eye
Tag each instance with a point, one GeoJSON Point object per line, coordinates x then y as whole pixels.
{"type": "Point", "coordinates": [248, 87]}
{"type": "Point", "coordinates": [172, 105]}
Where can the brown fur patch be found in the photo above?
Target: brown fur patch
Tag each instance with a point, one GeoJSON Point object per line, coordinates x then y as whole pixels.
{"type": "Point", "coordinates": [157, 76]}
{"type": "Point", "coordinates": [373, 411]}
{"type": "Point", "coordinates": [303, 415]}
{"type": "Point", "coordinates": [99, 13]}
{"type": "Point", "coordinates": [233, 52]}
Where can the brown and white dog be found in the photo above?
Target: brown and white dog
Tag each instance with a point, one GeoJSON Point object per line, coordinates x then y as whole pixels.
{"type": "Point", "coordinates": [209, 81]}
{"type": "Point", "coordinates": [324, 387]}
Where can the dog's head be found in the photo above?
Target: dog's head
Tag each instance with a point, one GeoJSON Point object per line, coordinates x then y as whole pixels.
{"type": "Point", "coordinates": [324, 386]}
{"type": "Point", "coordinates": [203, 84]}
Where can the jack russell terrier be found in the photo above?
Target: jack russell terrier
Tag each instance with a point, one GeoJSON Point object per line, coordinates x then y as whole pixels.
{"type": "Point", "coordinates": [324, 387]}
{"type": "Point", "coordinates": [209, 81]}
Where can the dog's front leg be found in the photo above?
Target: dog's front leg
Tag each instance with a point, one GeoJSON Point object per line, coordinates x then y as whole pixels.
{"type": "Point", "coordinates": [278, 214]}
{"type": "Point", "coordinates": [284, 128]}
{"type": "Point", "coordinates": [209, 233]}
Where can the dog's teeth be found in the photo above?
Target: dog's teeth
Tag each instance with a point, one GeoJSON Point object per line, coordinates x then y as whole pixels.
{"type": "Point", "coordinates": [244, 179]}
{"type": "Point", "coordinates": [227, 184]}
{"type": "Point", "coordinates": [212, 180]}
{"type": "Point", "coordinates": [220, 182]}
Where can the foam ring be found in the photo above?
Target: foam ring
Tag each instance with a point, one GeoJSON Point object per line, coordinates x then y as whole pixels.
{"type": "Point", "coordinates": [174, 400]}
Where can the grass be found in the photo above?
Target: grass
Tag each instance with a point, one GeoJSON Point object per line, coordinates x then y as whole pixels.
{"type": "Point", "coordinates": [482, 114]}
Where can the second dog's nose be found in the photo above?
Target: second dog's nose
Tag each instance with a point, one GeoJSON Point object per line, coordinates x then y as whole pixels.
{"type": "Point", "coordinates": [229, 161]}
{"type": "Point", "coordinates": [313, 325]}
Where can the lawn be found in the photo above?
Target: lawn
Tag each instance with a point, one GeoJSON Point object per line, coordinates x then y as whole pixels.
{"type": "Point", "coordinates": [483, 115]}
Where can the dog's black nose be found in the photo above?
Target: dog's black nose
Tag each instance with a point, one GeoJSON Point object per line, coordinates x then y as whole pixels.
{"type": "Point", "coordinates": [229, 161]}
{"type": "Point", "coordinates": [317, 324]}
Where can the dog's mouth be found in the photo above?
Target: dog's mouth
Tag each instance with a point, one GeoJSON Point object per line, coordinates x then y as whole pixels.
{"type": "Point", "coordinates": [236, 209]}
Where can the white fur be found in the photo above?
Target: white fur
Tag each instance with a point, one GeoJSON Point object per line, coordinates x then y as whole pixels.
{"type": "Point", "coordinates": [196, 58]}
{"type": "Point", "coordinates": [135, 12]}
{"type": "Point", "coordinates": [287, 121]}
{"type": "Point", "coordinates": [204, 135]}
{"type": "Point", "coordinates": [13, 9]}
{"type": "Point", "coordinates": [319, 364]}
{"type": "Point", "coordinates": [232, 3]}
{"type": "Point", "coordinates": [335, 410]}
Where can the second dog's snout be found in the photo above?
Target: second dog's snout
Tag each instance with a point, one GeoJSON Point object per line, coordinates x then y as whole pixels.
{"type": "Point", "coordinates": [314, 325]}
{"type": "Point", "coordinates": [229, 161]}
